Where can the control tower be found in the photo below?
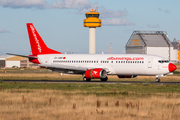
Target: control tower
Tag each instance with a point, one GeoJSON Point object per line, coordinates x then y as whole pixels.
{"type": "Point", "coordinates": [92, 21]}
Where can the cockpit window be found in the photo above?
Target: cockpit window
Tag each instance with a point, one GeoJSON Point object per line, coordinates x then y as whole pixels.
{"type": "Point", "coordinates": [163, 61]}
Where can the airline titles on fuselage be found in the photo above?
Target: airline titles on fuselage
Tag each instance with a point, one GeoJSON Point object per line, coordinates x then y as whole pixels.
{"type": "Point", "coordinates": [125, 58]}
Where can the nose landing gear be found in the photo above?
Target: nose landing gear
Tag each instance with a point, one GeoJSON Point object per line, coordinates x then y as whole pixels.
{"type": "Point", "coordinates": [157, 79]}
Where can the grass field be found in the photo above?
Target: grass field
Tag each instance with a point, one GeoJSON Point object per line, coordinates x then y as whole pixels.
{"type": "Point", "coordinates": [91, 102]}
{"type": "Point", "coordinates": [44, 101]}
{"type": "Point", "coordinates": [36, 101]}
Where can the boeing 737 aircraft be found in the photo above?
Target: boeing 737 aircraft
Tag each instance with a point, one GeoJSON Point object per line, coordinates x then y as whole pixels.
{"type": "Point", "coordinates": [93, 66]}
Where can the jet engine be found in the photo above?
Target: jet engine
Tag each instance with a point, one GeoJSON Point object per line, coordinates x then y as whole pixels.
{"type": "Point", "coordinates": [127, 76]}
{"type": "Point", "coordinates": [96, 73]}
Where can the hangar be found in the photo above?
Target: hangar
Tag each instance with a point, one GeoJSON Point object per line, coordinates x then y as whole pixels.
{"type": "Point", "coordinates": [176, 46]}
{"type": "Point", "coordinates": [152, 42]}
{"type": "Point", "coordinates": [16, 61]}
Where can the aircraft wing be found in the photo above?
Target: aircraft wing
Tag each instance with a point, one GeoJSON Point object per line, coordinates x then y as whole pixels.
{"type": "Point", "coordinates": [65, 68]}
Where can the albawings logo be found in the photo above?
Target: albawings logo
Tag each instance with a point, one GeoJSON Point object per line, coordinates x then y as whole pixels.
{"type": "Point", "coordinates": [36, 39]}
{"type": "Point", "coordinates": [125, 58]}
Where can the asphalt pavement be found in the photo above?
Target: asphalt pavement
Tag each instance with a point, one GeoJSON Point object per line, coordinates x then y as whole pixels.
{"type": "Point", "coordinates": [92, 82]}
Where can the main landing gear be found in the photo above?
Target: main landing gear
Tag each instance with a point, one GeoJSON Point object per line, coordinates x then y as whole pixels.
{"type": "Point", "coordinates": [157, 79]}
{"type": "Point", "coordinates": [85, 79]}
{"type": "Point", "coordinates": [102, 79]}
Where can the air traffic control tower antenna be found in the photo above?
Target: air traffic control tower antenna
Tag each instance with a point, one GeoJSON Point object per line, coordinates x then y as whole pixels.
{"type": "Point", "coordinates": [92, 21]}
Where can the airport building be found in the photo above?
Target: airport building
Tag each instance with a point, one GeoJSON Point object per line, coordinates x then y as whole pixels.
{"type": "Point", "coordinates": [2, 61]}
{"type": "Point", "coordinates": [13, 61]}
{"type": "Point", "coordinates": [16, 61]}
{"type": "Point", "coordinates": [153, 42]}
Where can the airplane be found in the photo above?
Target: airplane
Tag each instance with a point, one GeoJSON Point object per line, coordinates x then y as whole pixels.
{"type": "Point", "coordinates": [96, 66]}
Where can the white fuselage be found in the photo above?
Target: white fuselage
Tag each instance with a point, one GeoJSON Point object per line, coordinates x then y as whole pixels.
{"type": "Point", "coordinates": [115, 64]}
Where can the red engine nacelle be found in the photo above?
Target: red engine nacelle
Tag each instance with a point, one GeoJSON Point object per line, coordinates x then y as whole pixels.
{"type": "Point", "coordinates": [95, 73]}
{"type": "Point", "coordinates": [127, 76]}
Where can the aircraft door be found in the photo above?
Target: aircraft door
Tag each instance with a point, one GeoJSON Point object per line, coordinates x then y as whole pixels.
{"type": "Point", "coordinates": [47, 60]}
{"type": "Point", "coordinates": [159, 67]}
{"type": "Point", "coordinates": [149, 64]}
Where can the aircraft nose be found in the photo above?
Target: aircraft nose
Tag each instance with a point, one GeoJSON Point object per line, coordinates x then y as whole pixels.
{"type": "Point", "coordinates": [172, 67]}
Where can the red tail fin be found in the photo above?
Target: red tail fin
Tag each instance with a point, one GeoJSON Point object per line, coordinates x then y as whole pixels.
{"type": "Point", "coordinates": [38, 47]}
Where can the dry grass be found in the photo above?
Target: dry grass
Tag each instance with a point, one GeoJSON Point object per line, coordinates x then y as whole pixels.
{"type": "Point", "coordinates": [178, 67]}
{"type": "Point", "coordinates": [39, 76]}
{"type": "Point", "coordinates": [53, 104]}
{"type": "Point", "coordinates": [170, 78]}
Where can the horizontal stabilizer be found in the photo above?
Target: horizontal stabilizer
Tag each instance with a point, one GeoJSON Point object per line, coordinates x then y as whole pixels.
{"type": "Point", "coordinates": [21, 55]}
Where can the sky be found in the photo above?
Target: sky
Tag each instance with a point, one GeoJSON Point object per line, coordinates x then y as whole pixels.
{"type": "Point", "coordinates": [60, 23]}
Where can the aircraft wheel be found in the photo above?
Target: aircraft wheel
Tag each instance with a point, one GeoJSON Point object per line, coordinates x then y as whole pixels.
{"type": "Point", "coordinates": [104, 79]}
{"type": "Point", "coordinates": [157, 79]}
{"type": "Point", "coordinates": [85, 79]}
